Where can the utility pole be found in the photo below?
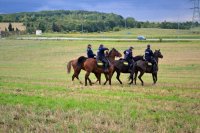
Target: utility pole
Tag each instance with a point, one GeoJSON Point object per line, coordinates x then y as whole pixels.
{"type": "Point", "coordinates": [0, 33]}
{"type": "Point", "coordinates": [196, 12]}
{"type": "Point", "coordinates": [125, 23]}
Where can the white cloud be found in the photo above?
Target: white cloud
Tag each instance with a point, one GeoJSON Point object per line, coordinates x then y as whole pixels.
{"type": "Point", "coordinates": [42, 8]}
{"type": "Point", "coordinates": [142, 10]}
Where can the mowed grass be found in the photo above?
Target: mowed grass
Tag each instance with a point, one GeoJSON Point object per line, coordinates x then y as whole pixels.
{"type": "Point", "coordinates": [133, 33]}
{"type": "Point", "coordinates": [37, 95]}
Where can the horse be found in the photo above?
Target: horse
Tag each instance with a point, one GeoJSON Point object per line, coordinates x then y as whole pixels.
{"type": "Point", "coordinates": [78, 65]}
{"type": "Point", "coordinates": [90, 66]}
{"type": "Point", "coordinates": [121, 66]}
{"type": "Point", "coordinates": [77, 68]}
{"type": "Point", "coordinates": [143, 67]}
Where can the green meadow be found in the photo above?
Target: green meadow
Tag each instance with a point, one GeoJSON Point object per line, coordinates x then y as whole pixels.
{"type": "Point", "coordinates": [149, 33]}
{"type": "Point", "coordinates": [37, 94]}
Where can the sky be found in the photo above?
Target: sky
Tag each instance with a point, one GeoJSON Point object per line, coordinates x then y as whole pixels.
{"type": "Point", "coordinates": [141, 10]}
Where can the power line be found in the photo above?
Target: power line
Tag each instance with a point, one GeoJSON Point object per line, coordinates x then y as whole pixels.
{"type": "Point", "coordinates": [196, 11]}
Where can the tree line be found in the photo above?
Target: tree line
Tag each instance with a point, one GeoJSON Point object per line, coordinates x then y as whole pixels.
{"type": "Point", "coordinates": [83, 21]}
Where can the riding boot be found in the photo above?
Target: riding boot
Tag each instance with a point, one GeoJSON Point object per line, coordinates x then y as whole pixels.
{"type": "Point", "coordinates": [154, 68]}
{"type": "Point", "coordinates": [130, 67]}
{"type": "Point", "coordinates": [105, 68]}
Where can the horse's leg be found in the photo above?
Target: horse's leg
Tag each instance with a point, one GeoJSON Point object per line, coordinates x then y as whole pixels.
{"type": "Point", "coordinates": [86, 77]}
{"type": "Point", "coordinates": [131, 78]}
{"type": "Point", "coordinates": [118, 75]}
{"type": "Point", "coordinates": [73, 76]}
{"type": "Point", "coordinates": [99, 78]}
{"type": "Point", "coordinates": [155, 78]}
{"type": "Point", "coordinates": [140, 77]}
{"type": "Point", "coordinates": [110, 77]}
{"type": "Point", "coordinates": [136, 73]}
{"type": "Point", "coordinates": [106, 76]}
{"type": "Point", "coordinates": [76, 73]}
{"type": "Point", "coordinates": [89, 81]}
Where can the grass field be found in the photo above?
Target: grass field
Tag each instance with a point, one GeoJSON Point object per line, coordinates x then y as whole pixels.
{"type": "Point", "coordinates": [133, 33]}
{"type": "Point", "coordinates": [36, 94]}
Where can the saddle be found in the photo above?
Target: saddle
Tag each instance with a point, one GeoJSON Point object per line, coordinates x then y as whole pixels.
{"type": "Point", "coordinates": [148, 63]}
{"type": "Point", "coordinates": [124, 62]}
{"type": "Point", "coordinates": [99, 63]}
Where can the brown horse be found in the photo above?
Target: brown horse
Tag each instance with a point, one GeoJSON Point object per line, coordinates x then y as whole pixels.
{"type": "Point", "coordinates": [78, 65]}
{"type": "Point", "coordinates": [77, 68]}
{"type": "Point", "coordinates": [90, 66]}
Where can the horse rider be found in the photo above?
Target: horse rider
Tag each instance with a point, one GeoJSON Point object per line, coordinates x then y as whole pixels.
{"type": "Point", "coordinates": [101, 56]}
{"type": "Point", "coordinates": [90, 53]}
{"type": "Point", "coordinates": [150, 57]}
{"type": "Point", "coordinates": [128, 56]}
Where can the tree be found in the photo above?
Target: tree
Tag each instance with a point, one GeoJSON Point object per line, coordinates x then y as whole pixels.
{"type": "Point", "coordinates": [55, 28]}
{"type": "Point", "coordinates": [130, 22]}
{"type": "Point", "coordinates": [10, 27]}
{"type": "Point", "coordinates": [1, 18]}
{"type": "Point", "coordinates": [139, 25]}
{"type": "Point", "coordinates": [42, 26]}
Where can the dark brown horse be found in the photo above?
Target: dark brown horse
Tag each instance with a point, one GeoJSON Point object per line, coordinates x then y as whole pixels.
{"type": "Point", "coordinates": [121, 67]}
{"type": "Point", "coordinates": [143, 67]}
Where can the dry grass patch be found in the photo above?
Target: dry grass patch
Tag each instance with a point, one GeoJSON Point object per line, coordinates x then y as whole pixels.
{"type": "Point", "coordinates": [19, 26]}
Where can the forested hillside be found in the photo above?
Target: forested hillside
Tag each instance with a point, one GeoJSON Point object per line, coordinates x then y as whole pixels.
{"type": "Point", "coordinates": [68, 20]}
{"type": "Point", "coordinates": [82, 21]}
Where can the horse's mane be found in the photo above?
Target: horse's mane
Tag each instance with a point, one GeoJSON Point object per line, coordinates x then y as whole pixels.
{"type": "Point", "coordinates": [81, 59]}
{"type": "Point", "coordinates": [111, 51]}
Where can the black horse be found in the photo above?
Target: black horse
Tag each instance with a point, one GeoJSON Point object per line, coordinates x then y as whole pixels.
{"type": "Point", "coordinates": [143, 67]}
{"type": "Point", "coordinates": [121, 66]}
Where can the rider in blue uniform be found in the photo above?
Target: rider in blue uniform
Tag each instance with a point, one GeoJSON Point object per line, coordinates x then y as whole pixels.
{"type": "Point", "coordinates": [90, 53]}
{"type": "Point", "coordinates": [128, 56]}
{"type": "Point", "coordinates": [101, 56]}
{"type": "Point", "coordinates": [150, 57]}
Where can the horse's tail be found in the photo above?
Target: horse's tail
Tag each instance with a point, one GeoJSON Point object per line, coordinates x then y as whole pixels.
{"type": "Point", "coordinates": [69, 64]}
{"type": "Point", "coordinates": [81, 60]}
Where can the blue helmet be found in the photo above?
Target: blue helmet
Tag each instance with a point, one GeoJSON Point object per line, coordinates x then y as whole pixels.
{"type": "Point", "coordinates": [101, 45]}
{"type": "Point", "coordinates": [131, 48]}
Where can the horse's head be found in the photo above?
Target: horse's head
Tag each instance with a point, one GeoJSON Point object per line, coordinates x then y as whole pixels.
{"type": "Point", "coordinates": [114, 53]}
{"type": "Point", "coordinates": [158, 54]}
{"type": "Point", "coordinates": [106, 53]}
